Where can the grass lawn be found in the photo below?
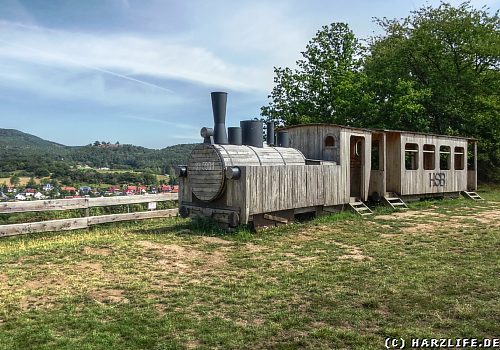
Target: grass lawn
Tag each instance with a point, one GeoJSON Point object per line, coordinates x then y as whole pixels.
{"type": "Point", "coordinates": [23, 180]}
{"type": "Point", "coordinates": [340, 281]}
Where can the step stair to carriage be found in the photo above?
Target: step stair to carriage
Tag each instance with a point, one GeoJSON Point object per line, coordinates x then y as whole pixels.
{"type": "Point", "coordinates": [360, 208]}
{"type": "Point", "coordinates": [472, 195]}
{"type": "Point", "coordinates": [393, 201]}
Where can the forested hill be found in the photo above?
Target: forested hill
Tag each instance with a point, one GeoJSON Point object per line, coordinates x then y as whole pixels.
{"type": "Point", "coordinates": [18, 140]}
{"type": "Point", "coordinates": [22, 151]}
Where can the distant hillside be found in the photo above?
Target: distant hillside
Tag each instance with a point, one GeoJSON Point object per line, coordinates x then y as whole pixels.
{"type": "Point", "coordinates": [15, 139]}
{"type": "Point", "coordinates": [132, 157]}
{"type": "Point", "coordinates": [22, 151]}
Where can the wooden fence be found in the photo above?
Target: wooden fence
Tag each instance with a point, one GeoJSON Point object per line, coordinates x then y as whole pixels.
{"type": "Point", "coordinates": [82, 203]}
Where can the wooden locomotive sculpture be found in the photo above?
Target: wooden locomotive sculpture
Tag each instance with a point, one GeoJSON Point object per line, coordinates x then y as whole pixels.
{"type": "Point", "coordinates": [315, 169]}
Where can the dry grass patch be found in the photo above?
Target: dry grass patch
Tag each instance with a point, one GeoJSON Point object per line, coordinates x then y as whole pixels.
{"type": "Point", "coordinates": [190, 260]}
{"type": "Point", "coordinates": [97, 251]}
{"type": "Point", "coordinates": [109, 296]}
{"type": "Point", "coordinates": [490, 218]}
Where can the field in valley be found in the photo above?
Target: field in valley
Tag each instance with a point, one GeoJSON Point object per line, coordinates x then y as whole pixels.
{"type": "Point", "coordinates": [339, 281]}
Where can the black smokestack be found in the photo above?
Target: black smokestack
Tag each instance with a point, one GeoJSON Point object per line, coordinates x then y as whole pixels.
{"type": "Point", "coordinates": [219, 102]}
{"type": "Point", "coordinates": [234, 135]}
{"type": "Point", "coordinates": [283, 140]}
{"type": "Point", "coordinates": [252, 132]}
{"type": "Point", "coordinates": [270, 133]}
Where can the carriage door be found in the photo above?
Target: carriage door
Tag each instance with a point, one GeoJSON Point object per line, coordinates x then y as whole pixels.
{"type": "Point", "coordinates": [357, 150]}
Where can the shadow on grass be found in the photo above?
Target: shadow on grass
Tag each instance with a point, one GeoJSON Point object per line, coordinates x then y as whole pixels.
{"type": "Point", "coordinates": [208, 227]}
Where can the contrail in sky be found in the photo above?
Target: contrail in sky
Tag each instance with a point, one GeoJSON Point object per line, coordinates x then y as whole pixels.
{"type": "Point", "coordinates": [102, 70]}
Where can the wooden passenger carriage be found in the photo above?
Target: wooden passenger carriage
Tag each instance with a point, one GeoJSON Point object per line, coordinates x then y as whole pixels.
{"type": "Point", "coordinates": [388, 161]}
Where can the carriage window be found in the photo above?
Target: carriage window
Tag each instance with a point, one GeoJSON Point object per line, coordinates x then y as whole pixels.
{"type": "Point", "coordinates": [411, 156]}
{"type": "Point", "coordinates": [459, 158]}
{"type": "Point", "coordinates": [329, 141]}
{"type": "Point", "coordinates": [375, 155]}
{"type": "Point", "coordinates": [429, 157]}
{"type": "Point", "coordinates": [444, 157]}
{"type": "Point", "coordinates": [357, 149]}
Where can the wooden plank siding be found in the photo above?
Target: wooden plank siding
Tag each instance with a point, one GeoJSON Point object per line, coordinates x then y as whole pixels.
{"type": "Point", "coordinates": [377, 176]}
{"type": "Point", "coordinates": [394, 159]}
{"type": "Point", "coordinates": [274, 188]}
{"type": "Point", "coordinates": [419, 181]}
{"type": "Point", "coordinates": [310, 140]}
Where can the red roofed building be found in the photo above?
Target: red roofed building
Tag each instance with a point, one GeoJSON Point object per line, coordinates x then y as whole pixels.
{"type": "Point", "coordinates": [165, 188]}
{"type": "Point", "coordinates": [68, 188]}
{"type": "Point", "coordinates": [130, 190]}
{"type": "Point", "coordinates": [113, 189]}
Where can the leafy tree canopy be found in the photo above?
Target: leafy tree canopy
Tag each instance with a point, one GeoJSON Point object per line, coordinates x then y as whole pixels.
{"type": "Point", "coordinates": [326, 86]}
{"type": "Point", "coordinates": [436, 70]}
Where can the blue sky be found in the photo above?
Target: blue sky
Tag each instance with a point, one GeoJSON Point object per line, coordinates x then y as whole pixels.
{"type": "Point", "coordinates": [140, 72]}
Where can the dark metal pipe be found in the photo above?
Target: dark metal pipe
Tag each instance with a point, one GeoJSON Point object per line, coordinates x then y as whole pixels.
{"type": "Point", "coordinates": [207, 134]}
{"type": "Point", "coordinates": [283, 140]}
{"type": "Point", "coordinates": [233, 173]}
{"type": "Point", "coordinates": [270, 133]}
{"type": "Point", "coordinates": [252, 132]}
{"type": "Point", "coordinates": [234, 135]}
{"type": "Point", "coordinates": [181, 171]}
{"type": "Point", "coordinates": [219, 102]}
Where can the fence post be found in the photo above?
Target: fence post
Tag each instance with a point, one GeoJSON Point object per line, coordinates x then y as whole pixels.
{"type": "Point", "coordinates": [87, 209]}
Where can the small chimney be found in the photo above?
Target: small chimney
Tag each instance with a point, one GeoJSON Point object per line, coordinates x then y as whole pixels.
{"type": "Point", "coordinates": [270, 133]}
{"type": "Point", "coordinates": [283, 140]}
{"type": "Point", "coordinates": [252, 132]}
{"type": "Point", "coordinates": [234, 135]}
{"type": "Point", "coordinates": [219, 102]}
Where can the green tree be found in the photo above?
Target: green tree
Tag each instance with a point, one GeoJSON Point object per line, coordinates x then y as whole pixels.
{"type": "Point", "coordinates": [31, 183]}
{"type": "Point", "coordinates": [327, 87]}
{"type": "Point", "coordinates": [437, 70]}
{"type": "Point", "coordinates": [14, 180]}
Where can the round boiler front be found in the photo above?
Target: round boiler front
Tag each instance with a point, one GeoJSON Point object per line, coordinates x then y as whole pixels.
{"type": "Point", "coordinates": [206, 172]}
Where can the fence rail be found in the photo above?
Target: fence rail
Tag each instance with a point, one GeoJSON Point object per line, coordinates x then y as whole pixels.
{"type": "Point", "coordinates": [81, 203]}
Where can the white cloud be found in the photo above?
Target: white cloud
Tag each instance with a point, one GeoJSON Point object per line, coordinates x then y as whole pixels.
{"type": "Point", "coordinates": [64, 84]}
{"type": "Point", "coordinates": [124, 54]}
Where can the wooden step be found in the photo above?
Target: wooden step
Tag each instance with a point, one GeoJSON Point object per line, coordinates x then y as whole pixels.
{"type": "Point", "coordinates": [394, 202]}
{"type": "Point", "coordinates": [360, 208]}
{"type": "Point", "coordinates": [472, 195]}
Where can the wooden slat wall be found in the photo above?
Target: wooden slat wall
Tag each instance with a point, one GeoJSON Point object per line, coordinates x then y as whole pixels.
{"type": "Point", "coordinates": [274, 188]}
{"type": "Point", "coordinates": [345, 162]}
{"type": "Point", "coordinates": [377, 182]}
{"type": "Point", "coordinates": [471, 180]}
{"type": "Point", "coordinates": [393, 166]}
{"type": "Point", "coordinates": [310, 141]}
{"type": "Point", "coordinates": [377, 177]}
{"type": "Point", "coordinates": [417, 181]}
{"type": "Point", "coordinates": [185, 192]}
